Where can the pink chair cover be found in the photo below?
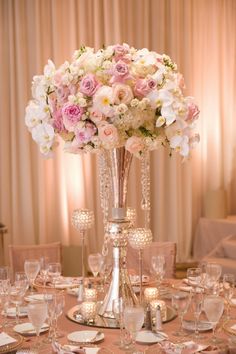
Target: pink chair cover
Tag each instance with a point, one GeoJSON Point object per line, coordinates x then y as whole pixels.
{"type": "Point", "coordinates": [19, 253]}
{"type": "Point", "coordinates": [167, 249]}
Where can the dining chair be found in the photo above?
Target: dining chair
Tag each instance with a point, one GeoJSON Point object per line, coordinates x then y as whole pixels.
{"type": "Point", "coordinates": [19, 253]}
{"type": "Point", "coordinates": [167, 249]}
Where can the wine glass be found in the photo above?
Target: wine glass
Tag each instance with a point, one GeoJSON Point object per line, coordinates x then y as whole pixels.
{"type": "Point", "coordinates": [5, 298]}
{"type": "Point", "coordinates": [228, 285]}
{"type": "Point", "coordinates": [194, 276]}
{"type": "Point", "coordinates": [213, 307]}
{"type": "Point", "coordinates": [133, 322]}
{"type": "Point", "coordinates": [118, 312]}
{"type": "Point", "coordinates": [54, 272]}
{"type": "Point", "coordinates": [49, 299]}
{"type": "Point", "coordinates": [18, 290]}
{"type": "Point", "coordinates": [37, 313]}
{"type": "Point", "coordinates": [180, 302]}
{"type": "Point", "coordinates": [95, 263]}
{"type": "Point", "coordinates": [59, 304]}
{"type": "Point", "coordinates": [31, 267]}
{"type": "Point", "coordinates": [197, 305]}
{"type": "Point", "coordinates": [158, 265]}
{"type": "Point", "coordinates": [105, 272]}
{"type": "Point", "coordinates": [44, 261]}
{"type": "Point", "coordinates": [213, 274]}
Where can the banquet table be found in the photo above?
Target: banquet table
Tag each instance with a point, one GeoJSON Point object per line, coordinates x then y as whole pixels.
{"type": "Point", "coordinates": [111, 335]}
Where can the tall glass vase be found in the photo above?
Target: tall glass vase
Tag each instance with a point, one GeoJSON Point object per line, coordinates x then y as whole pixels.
{"type": "Point", "coordinates": [116, 230]}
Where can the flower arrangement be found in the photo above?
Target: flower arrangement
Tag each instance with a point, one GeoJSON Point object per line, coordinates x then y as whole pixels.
{"type": "Point", "coordinates": [117, 96]}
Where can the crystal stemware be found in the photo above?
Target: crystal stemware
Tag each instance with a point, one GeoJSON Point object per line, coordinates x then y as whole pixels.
{"type": "Point", "coordinates": [194, 276]}
{"type": "Point", "coordinates": [197, 305]}
{"type": "Point", "coordinates": [95, 263]}
{"type": "Point", "coordinates": [54, 272]}
{"type": "Point", "coordinates": [228, 285]}
{"type": "Point", "coordinates": [4, 273]}
{"type": "Point", "coordinates": [133, 322]}
{"type": "Point", "coordinates": [118, 312]}
{"type": "Point", "coordinates": [180, 302]}
{"type": "Point", "coordinates": [158, 265]}
{"type": "Point", "coordinates": [213, 274]}
{"type": "Point", "coordinates": [214, 307]}
{"type": "Point", "coordinates": [44, 261]}
{"type": "Point", "coordinates": [59, 304]}
{"type": "Point", "coordinates": [37, 313]}
{"type": "Point", "coordinates": [32, 268]}
{"type": "Point", "coordinates": [5, 299]}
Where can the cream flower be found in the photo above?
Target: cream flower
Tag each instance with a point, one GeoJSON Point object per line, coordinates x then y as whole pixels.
{"type": "Point", "coordinates": [103, 101]}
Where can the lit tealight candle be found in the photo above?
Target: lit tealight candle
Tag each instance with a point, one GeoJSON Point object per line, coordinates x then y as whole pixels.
{"type": "Point", "coordinates": [88, 310]}
{"type": "Point", "coordinates": [150, 294]}
{"type": "Point", "coordinates": [90, 294]}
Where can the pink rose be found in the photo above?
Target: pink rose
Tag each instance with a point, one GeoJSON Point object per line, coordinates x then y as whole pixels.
{"type": "Point", "coordinates": [120, 72]}
{"type": "Point", "coordinates": [62, 93]}
{"type": "Point", "coordinates": [143, 87]}
{"type": "Point", "coordinates": [193, 112]}
{"type": "Point", "coordinates": [89, 85]}
{"type": "Point", "coordinates": [83, 135]}
{"type": "Point", "coordinates": [134, 144]}
{"type": "Point", "coordinates": [108, 133]}
{"type": "Point", "coordinates": [122, 93]}
{"type": "Point", "coordinates": [57, 121]}
{"type": "Point", "coordinates": [120, 51]}
{"type": "Point", "coordinates": [71, 114]}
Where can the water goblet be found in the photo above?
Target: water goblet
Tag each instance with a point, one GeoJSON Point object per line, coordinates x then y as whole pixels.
{"type": "Point", "coordinates": [54, 272]}
{"type": "Point", "coordinates": [95, 263]}
{"type": "Point", "coordinates": [180, 302]}
{"type": "Point", "coordinates": [5, 299]}
{"type": "Point", "coordinates": [214, 307]}
{"type": "Point", "coordinates": [194, 276]}
{"type": "Point", "coordinates": [133, 322]}
{"type": "Point", "coordinates": [118, 312]}
{"type": "Point", "coordinates": [228, 285]}
{"type": "Point", "coordinates": [32, 268]}
{"type": "Point", "coordinates": [158, 265]}
{"type": "Point", "coordinates": [37, 313]}
{"type": "Point", "coordinates": [49, 299]}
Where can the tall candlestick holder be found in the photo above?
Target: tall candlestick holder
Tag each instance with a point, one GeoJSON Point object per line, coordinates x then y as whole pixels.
{"type": "Point", "coordinates": [140, 238]}
{"type": "Point", "coordinates": [82, 220]}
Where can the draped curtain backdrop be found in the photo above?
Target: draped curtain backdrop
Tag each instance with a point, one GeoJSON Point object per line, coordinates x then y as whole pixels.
{"type": "Point", "coordinates": [38, 196]}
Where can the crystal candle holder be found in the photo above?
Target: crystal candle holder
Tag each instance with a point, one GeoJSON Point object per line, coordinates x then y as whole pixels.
{"type": "Point", "coordinates": [162, 304]}
{"type": "Point", "coordinates": [131, 216]}
{"type": "Point", "coordinates": [82, 219]}
{"type": "Point", "coordinates": [88, 310]}
{"type": "Point", "coordinates": [90, 294]}
{"type": "Point", "coordinates": [140, 238]}
{"type": "Point", "coordinates": [150, 294]}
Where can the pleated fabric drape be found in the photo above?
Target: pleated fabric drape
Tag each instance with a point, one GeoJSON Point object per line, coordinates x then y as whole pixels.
{"type": "Point", "coordinates": [37, 196]}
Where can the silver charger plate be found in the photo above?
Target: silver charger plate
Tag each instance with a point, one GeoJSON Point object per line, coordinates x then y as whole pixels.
{"type": "Point", "coordinates": [104, 322]}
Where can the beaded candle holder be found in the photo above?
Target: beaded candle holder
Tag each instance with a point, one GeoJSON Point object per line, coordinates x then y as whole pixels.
{"type": "Point", "coordinates": [150, 294]}
{"type": "Point", "coordinates": [140, 238]}
{"type": "Point", "coordinates": [131, 215]}
{"type": "Point", "coordinates": [90, 294]}
{"type": "Point", "coordinates": [82, 220]}
{"type": "Point", "coordinates": [88, 310]}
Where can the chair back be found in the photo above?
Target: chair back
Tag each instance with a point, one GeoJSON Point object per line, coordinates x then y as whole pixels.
{"type": "Point", "coordinates": [167, 249]}
{"type": "Point", "coordinates": [19, 253]}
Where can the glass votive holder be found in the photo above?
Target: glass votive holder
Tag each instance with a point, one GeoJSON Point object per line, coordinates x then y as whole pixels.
{"type": "Point", "coordinates": [90, 294]}
{"type": "Point", "coordinates": [88, 310]}
{"type": "Point", "coordinates": [150, 294]}
{"type": "Point", "coordinates": [162, 304]}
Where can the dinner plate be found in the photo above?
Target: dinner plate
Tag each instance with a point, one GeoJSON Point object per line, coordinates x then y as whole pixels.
{"type": "Point", "coordinates": [85, 337]}
{"type": "Point", "coordinates": [148, 337]}
{"type": "Point", "coordinates": [28, 329]}
{"type": "Point", "coordinates": [11, 312]}
{"type": "Point", "coordinates": [202, 325]}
